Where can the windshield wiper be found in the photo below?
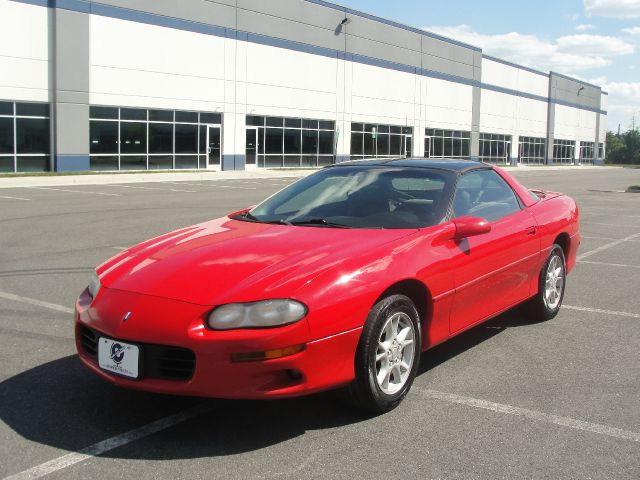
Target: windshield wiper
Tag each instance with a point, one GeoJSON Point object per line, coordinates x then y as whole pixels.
{"type": "Point", "coordinates": [323, 222]}
{"type": "Point", "coordinates": [279, 221]}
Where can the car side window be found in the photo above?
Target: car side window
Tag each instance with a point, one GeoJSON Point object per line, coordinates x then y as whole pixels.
{"type": "Point", "coordinates": [483, 193]}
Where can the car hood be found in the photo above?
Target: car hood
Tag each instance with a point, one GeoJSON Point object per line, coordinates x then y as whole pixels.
{"type": "Point", "coordinates": [228, 260]}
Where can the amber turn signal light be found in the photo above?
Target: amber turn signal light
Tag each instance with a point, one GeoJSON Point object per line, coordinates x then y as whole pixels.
{"type": "Point", "coordinates": [266, 355]}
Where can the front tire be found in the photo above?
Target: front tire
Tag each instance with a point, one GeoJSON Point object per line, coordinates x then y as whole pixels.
{"type": "Point", "coordinates": [387, 356]}
{"type": "Point", "coordinates": [551, 286]}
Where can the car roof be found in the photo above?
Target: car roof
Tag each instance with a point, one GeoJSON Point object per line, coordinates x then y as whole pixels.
{"type": "Point", "coordinates": [452, 165]}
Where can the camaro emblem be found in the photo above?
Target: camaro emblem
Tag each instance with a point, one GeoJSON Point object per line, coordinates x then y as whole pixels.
{"type": "Point", "coordinates": [126, 316]}
{"type": "Point", "coordinates": [117, 353]}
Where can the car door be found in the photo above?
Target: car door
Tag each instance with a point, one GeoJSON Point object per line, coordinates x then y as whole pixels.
{"type": "Point", "coordinates": [491, 271]}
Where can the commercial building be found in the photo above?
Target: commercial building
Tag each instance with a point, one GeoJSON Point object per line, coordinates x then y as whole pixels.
{"type": "Point", "coordinates": [235, 84]}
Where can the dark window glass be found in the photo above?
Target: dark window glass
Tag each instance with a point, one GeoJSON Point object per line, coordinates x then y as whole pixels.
{"type": "Point", "coordinates": [357, 127]}
{"type": "Point", "coordinates": [202, 161]}
{"type": "Point", "coordinates": [6, 108]}
{"type": "Point", "coordinates": [292, 160]}
{"type": "Point", "coordinates": [189, 117]}
{"type": "Point", "coordinates": [465, 148]}
{"type": "Point", "coordinates": [32, 135]}
{"type": "Point", "coordinates": [273, 140]}
{"type": "Point", "coordinates": [326, 142]}
{"type": "Point", "coordinates": [383, 128]}
{"type": "Point", "coordinates": [494, 198]}
{"type": "Point", "coordinates": [325, 160]}
{"type": "Point", "coordinates": [33, 164]}
{"type": "Point", "coordinates": [393, 129]}
{"type": "Point", "coordinates": [161, 137]}
{"type": "Point", "coordinates": [133, 137]}
{"type": "Point", "coordinates": [292, 141]}
{"type": "Point", "coordinates": [407, 130]}
{"type": "Point", "coordinates": [273, 161]}
{"type": "Point", "coordinates": [395, 145]}
{"type": "Point", "coordinates": [370, 128]}
{"type": "Point", "coordinates": [32, 109]}
{"type": "Point", "coordinates": [133, 114]}
{"type": "Point", "coordinates": [6, 164]}
{"type": "Point", "coordinates": [211, 118]}
{"type": "Point", "coordinates": [6, 136]}
{"type": "Point", "coordinates": [161, 115]}
{"type": "Point", "coordinates": [203, 139]}
{"type": "Point", "coordinates": [383, 145]}
{"type": "Point", "coordinates": [135, 162]}
{"type": "Point", "coordinates": [312, 124]}
{"type": "Point", "coordinates": [274, 121]}
{"type": "Point", "coordinates": [103, 137]}
{"type": "Point", "coordinates": [309, 141]}
{"type": "Point", "coordinates": [255, 121]}
{"type": "Point", "coordinates": [309, 161]}
{"type": "Point", "coordinates": [160, 162]}
{"type": "Point", "coordinates": [261, 140]}
{"type": "Point", "coordinates": [292, 122]}
{"type": "Point", "coordinates": [186, 139]}
{"type": "Point", "coordinates": [103, 112]}
{"type": "Point", "coordinates": [448, 147]}
{"type": "Point", "coordinates": [326, 125]}
{"type": "Point", "coordinates": [103, 163]}
{"type": "Point", "coordinates": [356, 143]}
{"type": "Point", "coordinates": [438, 147]}
{"type": "Point", "coordinates": [369, 144]}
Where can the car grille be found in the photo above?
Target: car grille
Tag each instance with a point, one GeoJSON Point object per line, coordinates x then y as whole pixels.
{"type": "Point", "coordinates": [159, 361]}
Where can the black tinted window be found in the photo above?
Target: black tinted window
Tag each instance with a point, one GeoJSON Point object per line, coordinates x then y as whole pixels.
{"type": "Point", "coordinates": [484, 194]}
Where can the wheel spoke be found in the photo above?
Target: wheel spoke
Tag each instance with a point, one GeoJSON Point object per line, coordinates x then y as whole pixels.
{"type": "Point", "coordinates": [397, 375]}
{"type": "Point", "coordinates": [403, 334]}
{"type": "Point", "coordinates": [383, 376]}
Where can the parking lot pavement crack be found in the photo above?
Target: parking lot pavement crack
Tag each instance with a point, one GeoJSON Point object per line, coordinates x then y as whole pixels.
{"type": "Point", "coordinates": [531, 414]}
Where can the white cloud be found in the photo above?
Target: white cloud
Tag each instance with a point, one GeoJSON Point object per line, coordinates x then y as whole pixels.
{"type": "Point", "coordinates": [567, 54]}
{"type": "Point", "coordinates": [634, 31]}
{"type": "Point", "coordinates": [613, 8]}
{"type": "Point", "coordinates": [583, 27]}
{"type": "Point", "coordinates": [623, 104]}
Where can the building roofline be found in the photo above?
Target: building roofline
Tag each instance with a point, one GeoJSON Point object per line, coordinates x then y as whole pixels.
{"type": "Point", "coordinates": [515, 65]}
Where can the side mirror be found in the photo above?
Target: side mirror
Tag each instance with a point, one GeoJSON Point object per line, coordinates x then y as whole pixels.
{"type": "Point", "coordinates": [470, 227]}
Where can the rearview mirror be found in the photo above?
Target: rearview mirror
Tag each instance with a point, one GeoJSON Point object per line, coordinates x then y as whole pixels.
{"type": "Point", "coordinates": [470, 227]}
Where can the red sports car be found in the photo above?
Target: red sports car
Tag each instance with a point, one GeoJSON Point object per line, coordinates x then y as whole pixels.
{"type": "Point", "coordinates": [340, 280]}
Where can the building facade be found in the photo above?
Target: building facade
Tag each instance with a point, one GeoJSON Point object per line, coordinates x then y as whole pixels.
{"type": "Point", "coordinates": [240, 84]}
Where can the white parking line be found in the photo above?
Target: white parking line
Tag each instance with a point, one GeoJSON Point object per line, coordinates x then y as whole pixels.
{"type": "Point", "coordinates": [153, 188]}
{"type": "Point", "coordinates": [607, 246]}
{"type": "Point", "coordinates": [609, 264]}
{"type": "Point", "coordinates": [14, 198]}
{"type": "Point", "coordinates": [33, 301]}
{"type": "Point", "coordinates": [598, 310]}
{"type": "Point", "coordinates": [115, 247]}
{"type": "Point", "coordinates": [76, 191]}
{"type": "Point", "coordinates": [532, 415]}
{"type": "Point", "coordinates": [110, 444]}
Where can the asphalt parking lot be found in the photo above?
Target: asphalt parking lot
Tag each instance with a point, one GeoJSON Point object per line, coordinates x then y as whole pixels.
{"type": "Point", "coordinates": [508, 399]}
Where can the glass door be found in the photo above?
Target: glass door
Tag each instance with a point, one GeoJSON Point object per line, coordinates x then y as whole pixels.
{"type": "Point", "coordinates": [251, 146]}
{"type": "Point", "coordinates": [214, 146]}
{"type": "Point", "coordinates": [408, 150]}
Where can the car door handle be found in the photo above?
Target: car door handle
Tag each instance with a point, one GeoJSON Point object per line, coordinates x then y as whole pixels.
{"type": "Point", "coordinates": [532, 230]}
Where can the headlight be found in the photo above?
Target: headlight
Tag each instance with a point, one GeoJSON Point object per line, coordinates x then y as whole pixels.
{"type": "Point", "coordinates": [266, 313]}
{"type": "Point", "coordinates": [94, 285]}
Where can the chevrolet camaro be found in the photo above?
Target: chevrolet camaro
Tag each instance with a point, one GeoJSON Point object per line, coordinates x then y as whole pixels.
{"type": "Point", "coordinates": [338, 281]}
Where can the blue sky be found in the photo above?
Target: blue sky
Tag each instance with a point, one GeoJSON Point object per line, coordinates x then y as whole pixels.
{"type": "Point", "coordinates": [595, 40]}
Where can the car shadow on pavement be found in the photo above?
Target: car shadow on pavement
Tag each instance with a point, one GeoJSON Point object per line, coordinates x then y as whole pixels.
{"type": "Point", "coordinates": [61, 404]}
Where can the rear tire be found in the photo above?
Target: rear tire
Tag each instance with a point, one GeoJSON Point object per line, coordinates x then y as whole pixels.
{"type": "Point", "coordinates": [387, 357]}
{"type": "Point", "coordinates": [551, 286]}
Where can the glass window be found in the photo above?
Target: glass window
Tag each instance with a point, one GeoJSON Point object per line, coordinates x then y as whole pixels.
{"type": "Point", "coordinates": [186, 138]}
{"type": "Point", "coordinates": [292, 141]}
{"type": "Point", "coordinates": [326, 125]}
{"type": "Point", "coordinates": [133, 162]}
{"type": "Point", "coordinates": [564, 151]}
{"type": "Point", "coordinates": [161, 137]}
{"type": "Point", "coordinates": [110, 113]}
{"type": "Point", "coordinates": [6, 136]}
{"type": "Point", "coordinates": [6, 108]}
{"type": "Point", "coordinates": [362, 197]}
{"type": "Point", "coordinates": [103, 137]}
{"type": "Point", "coordinates": [32, 135]}
{"type": "Point", "coordinates": [273, 140]}
{"type": "Point", "coordinates": [187, 117]}
{"type": "Point", "coordinates": [186, 162]}
{"type": "Point", "coordinates": [447, 143]}
{"type": "Point", "coordinates": [214, 118]}
{"type": "Point", "coordinates": [310, 124]}
{"type": "Point", "coordinates": [33, 164]}
{"type": "Point", "coordinates": [495, 148]}
{"type": "Point", "coordinates": [275, 122]}
{"type": "Point", "coordinates": [293, 122]}
{"type": "Point", "coordinates": [326, 143]}
{"type": "Point", "coordinates": [32, 109]}
{"type": "Point", "coordinates": [356, 143]}
{"type": "Point", "coordinates": [531, 150]}
{"type": "Point", "coordinates": [492, 197]}
{"type": "Point", "coordinates": [255, 121]}
{"type": "Point", "coordinates": [6, 164]}
{"type": "Point", "coordinates": [161, 115]}
{"type": "Point", "coordinates": [133, 114]}
{"type": "Point", "coordinates": [133, 137]}
{"type": "Point", "coordinates": [382, 147]}
{"type": "Point", "coordinates": [103, 163]}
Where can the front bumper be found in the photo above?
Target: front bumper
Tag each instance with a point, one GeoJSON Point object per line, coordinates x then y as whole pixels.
{"type": "Point", "coordinates": [322, 364]}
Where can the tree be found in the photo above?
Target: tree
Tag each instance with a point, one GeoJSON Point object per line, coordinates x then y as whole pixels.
{"type": "Point", "coordinates": [623, 148]}
{"type": "Point", "coordinates": [615, 148]}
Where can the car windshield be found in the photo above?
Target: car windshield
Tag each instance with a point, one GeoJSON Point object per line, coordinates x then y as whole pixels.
{"type": "Point", "coordinates": [360, 197]}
